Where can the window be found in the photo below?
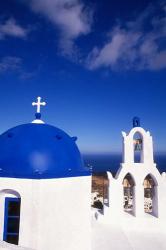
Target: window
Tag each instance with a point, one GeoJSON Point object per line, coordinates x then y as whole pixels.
{"type": "Point", "coordinates": [12, 220]}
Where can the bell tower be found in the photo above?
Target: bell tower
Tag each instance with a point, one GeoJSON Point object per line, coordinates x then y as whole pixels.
{"type": "Point", "coordinates": [137, 146]}
{"type": "Point", "coordinates": [138, 173]}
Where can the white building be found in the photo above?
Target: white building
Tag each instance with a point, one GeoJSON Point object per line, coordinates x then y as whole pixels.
{"type": "Point", "coordinates": [45, 194]}
{"type": "Point", "coordinates": [136, 217]}
{"type": "Point", "coordinates": [44, 189]}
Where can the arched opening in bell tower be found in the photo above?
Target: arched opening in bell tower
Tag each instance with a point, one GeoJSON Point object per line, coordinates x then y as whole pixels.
{"type": "Point", "coordinates": [128, 193]}
{"type": "Point", "coordinates": [150, 196]}
{"type": "Point", "coordinates": [138, 147]}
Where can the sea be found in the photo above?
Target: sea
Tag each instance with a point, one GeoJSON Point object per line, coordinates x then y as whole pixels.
{"type": "Point", "coordinates": [111, 162]}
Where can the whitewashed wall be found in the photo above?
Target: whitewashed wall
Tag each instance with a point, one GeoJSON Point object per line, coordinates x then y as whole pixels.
{"type": "Point", "coordinates": [55, 213]}
{"type": "Point", "coordinates": [115, 212]}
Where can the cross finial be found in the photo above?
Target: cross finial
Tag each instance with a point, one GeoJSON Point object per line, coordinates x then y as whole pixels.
{"type": "Point", "coordinates": [38, 104]}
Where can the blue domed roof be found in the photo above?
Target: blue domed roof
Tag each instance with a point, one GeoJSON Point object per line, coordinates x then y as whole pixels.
{"type": "Point", "coordinates": [39, 151]}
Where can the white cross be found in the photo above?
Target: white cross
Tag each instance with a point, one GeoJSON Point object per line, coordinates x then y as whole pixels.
{"type": "Point", "coordinates": [38, 104]}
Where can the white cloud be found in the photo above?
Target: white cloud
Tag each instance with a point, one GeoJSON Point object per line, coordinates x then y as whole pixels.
{"type": "Point", "coordinates": [131, 46]}
{"type": "Point", "coordinates": [14, 65]}
{"type": "Point", "coordinates": [24, 75]}
{"type": "Point", "coordinates": [10, 63]}
{"type": "Point", "coordinates": [11, 28]}
{"type": "Point", "coordinates": [70, 16]}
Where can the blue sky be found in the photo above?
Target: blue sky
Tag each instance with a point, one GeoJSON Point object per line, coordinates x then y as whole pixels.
{"type": "Point", "coordinates": [96, 64]}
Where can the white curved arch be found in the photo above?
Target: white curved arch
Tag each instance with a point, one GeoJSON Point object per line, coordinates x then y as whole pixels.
{"type": "Point", "coordinates": [146, 156]}
{"type": "Point", "coordinates": [139, 130]}
{"type": "Point", "coordinates": [10, 191]}
{"type": "Point", "coordinates": [125, 174]}
{"type": "Point", "coordinates": [153, 177]}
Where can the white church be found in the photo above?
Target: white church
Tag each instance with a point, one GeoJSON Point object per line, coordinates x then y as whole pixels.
{"type": "Point", "coordinates": [45, 193]}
